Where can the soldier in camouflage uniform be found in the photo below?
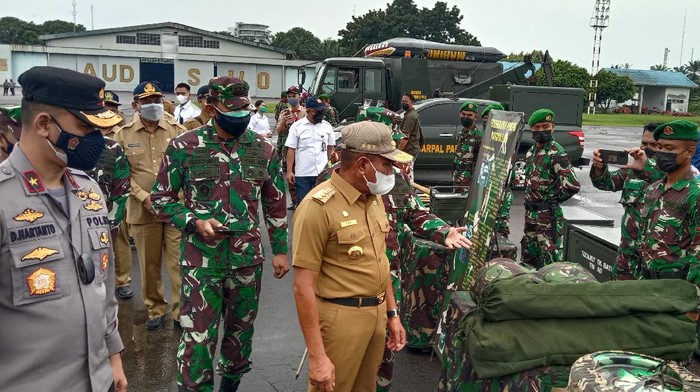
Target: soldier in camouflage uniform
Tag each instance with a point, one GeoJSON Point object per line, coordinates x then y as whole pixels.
{"type": "Point", "coordinates": [550, 181]}
{"type": "Point", "coordinates": [226, 172]}
{"type": "Point", "coordinates": [633, 183]}
{"type": "Point", "coordinates": [670, 245]}
{"type": "Point", "coordinates": [331, 113]}
{"type": "Point", "coordinates": [403, 207]}
{"type": "Point", "coordinates": [281, 105]}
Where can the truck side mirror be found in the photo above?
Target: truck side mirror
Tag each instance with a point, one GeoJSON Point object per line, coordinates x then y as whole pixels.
{"type": "Point", "coordinates": [301, 77]}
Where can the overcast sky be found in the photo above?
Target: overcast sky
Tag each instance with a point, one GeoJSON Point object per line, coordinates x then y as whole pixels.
{"type": "Point", "coordinates": [638, 33]}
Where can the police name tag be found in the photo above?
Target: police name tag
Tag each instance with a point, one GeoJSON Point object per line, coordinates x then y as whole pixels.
{"type": "Point", "coordinates": [351, 222]}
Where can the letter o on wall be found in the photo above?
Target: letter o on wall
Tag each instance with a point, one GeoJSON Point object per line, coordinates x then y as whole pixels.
{"type": "Point", "coordinates": [263, 80]}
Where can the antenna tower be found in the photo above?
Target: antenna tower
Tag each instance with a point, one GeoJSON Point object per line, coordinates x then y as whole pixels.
{"type": "Point", "coordinates": [599, 21]}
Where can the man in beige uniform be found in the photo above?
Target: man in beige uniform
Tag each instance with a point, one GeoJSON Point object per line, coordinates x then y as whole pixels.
{"type": "Point", "coordinates": [341, 272]}
{"type": "Point", "coordinates": [144, 141]}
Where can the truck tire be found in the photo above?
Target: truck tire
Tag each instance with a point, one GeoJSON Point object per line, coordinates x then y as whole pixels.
{"type": "Point", "coordinates": [609, 371]}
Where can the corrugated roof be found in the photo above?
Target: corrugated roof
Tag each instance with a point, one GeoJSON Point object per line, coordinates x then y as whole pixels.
{"type": "Point", "coordinates": [645, 77]}
{"type": "Point", "coordinates": [172, 25]}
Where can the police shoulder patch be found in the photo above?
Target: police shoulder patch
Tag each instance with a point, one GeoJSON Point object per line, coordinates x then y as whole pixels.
{"type": "Point", "coordinates": [323, 195]}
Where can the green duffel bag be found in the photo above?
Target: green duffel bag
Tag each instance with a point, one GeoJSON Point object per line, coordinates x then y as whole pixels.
{"type": "Point", "coordinates": [521, 298]}
{"type": "Point", "coordinates": [507, 347]}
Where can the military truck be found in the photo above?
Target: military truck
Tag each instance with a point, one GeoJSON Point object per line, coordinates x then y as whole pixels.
{"type": "Point", "coordinates": [454, 73]}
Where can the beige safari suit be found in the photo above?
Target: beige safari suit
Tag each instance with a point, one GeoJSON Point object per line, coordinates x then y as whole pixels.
{"type": "Point", "coordinates": [56, 332]}
{"type": "Point", "coordinates": [144, 149]}
{"type": "Point", "coordinates": [341, 234]}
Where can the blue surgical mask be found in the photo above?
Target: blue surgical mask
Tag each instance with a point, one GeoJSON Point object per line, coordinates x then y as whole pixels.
{"type": "Point", "coordinates": [293, 101]}
{"type": "Point", "coordinates": [234, 123]}
{"type": "Point", "coordinates": [78, 152]}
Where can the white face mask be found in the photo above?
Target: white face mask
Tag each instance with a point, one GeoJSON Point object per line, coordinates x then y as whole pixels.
{"type": "Point", "coordinates": [182, 99]}
{"type": "Point", "coordinates": [384, 183]}
{"type": "Point", "coordinates": [152, 111]}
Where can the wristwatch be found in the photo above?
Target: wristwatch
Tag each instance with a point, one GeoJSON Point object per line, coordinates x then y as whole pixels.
{"type": "Point", "coordinates": [191, 226]}
{"type": "Point", "coordinates": [392, 313]}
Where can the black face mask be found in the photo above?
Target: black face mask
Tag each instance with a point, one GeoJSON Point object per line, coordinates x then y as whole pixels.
{"type": "Point", "coordinates": [404, 106]}
{"type": "Point", "coordinates": [234, 126]}
{"type": "Point", "coordinates": [542, 136]}
{"type": "Point", "coordinates": [666, 161]}
{"type": "Point", "coordinates": [317, 118]}
{"type": "Point", "coordinates": [649, 152]}
{"type": "Point", "coordinates": [467, 122]}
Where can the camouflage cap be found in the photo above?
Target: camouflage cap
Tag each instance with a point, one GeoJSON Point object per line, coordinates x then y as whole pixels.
{"type": "Point", "coordinates": [677, 130]}
{"type": "Point", "coordinates": [565, 272]}
{"type": "Point", "coordinates": [495, 270]}
{"type": "Point", "coordinates": [378, 114]}
{"type": "Point", "coordinates": [231, 92]}
{"type": "Point", "coordinates": [372, 138]}
{"type": "Point", "coordinates": [493, 106]}
{"type": "Point", "coordinates": [469, 106]}
{"type": "Point", "coordinates": [541, 115]}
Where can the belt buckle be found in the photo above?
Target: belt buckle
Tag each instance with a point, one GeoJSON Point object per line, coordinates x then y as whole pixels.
{"type": "Point", "coordinates": [381, 297]}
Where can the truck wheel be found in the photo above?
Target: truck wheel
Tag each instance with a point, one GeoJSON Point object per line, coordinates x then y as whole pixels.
{"type": "Point", "coordinates": [519, 179]}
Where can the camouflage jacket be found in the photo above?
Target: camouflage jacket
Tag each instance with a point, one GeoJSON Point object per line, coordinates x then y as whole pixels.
{"type": "Point", "coordinates": [112, 175]}
{"type": "Point", "coordinates": [331, 115]}
{"type": "Point", "coordinates": [227, 181]}
{"type": "Point", "coordinates": [549, 174]}
{"type": "Point", "coordinates": [671, 232]}
{"type": "Point", "coordinates": [468, 144]}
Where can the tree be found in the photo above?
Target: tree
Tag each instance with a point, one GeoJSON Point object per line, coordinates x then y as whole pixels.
{"type": "Point", "coordinates": [621, 66]}
{"type": "Point", "coordinates": [612, 87]}
{"type": "Point", "coordinates": [537, 56]}
{"type": "Point", "coordinates": [566, 74]}
{"type": "Point", "coordinates": [18, 32]}
{"type": "Point", "coordinates": [692, 70]}
{"type": "Point", "coordinates": [659, 67]}
{"type": "Point", "coordinates": [402, 18]}
{"type": "Point", "coordinates": [304, 44]}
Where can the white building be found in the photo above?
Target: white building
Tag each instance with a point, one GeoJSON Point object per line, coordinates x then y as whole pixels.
{"type": "Point", "coordinates": [665, 90]}
{"type": "Point", "coordinates": [165, 52]}
{"type": "Point", "coordinates": [252, 32]}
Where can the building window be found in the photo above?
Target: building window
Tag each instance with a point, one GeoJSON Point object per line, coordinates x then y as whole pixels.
{"type": "Point", "coordinates": [148, 39]}
{"type": "Point", "coordinates": [211, 44]}
{"type": "Point", "coordinates": [126, 39]}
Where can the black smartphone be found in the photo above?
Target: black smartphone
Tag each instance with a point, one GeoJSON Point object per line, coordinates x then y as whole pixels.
{"type": "Point", "coordinates": [614, 157]}
{"type": "Point", "coordinates": [223, 230]}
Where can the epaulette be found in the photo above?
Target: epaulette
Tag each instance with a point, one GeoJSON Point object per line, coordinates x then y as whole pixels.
{"type": "Point", "coordinates": [323, 195]}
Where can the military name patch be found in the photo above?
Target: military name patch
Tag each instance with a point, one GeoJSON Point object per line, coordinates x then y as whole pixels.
{"type": "Point", "coordinates": [42, 281]}
{"type": "Point", "coordinates": [39, 253]}
{"type": "Point", "coordinates": [29, 233]}
{"type": "Point", "coordinates": [133, 145]}
{"type": "Point", "coordinates": [97, 221]}
{"type": "Point", "coordinates": [93, 206]}
{"type": "Point", "coordinates": [351, 222]}
{"type": "Point", "coordinates": [29, 215]}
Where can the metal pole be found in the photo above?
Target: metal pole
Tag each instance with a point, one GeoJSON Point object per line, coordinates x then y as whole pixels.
{"type": "Point", "coordinates": [301, 363]}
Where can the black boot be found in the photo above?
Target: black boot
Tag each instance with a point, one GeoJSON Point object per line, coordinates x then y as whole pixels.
{"type": "Point", "coordinates": [228, 385]}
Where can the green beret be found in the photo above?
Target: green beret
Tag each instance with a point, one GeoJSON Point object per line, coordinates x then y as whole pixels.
{"type": "Point", "coordinates": [541, 115]}
{"type": "Point", "coordinates": [284, 94]}
{"type": "Point", "coordinates": [677, 130]}
{"type": "Point", "coordinates": [324, 96]}
{"type": "Point", "coordinates": [495, 105]}
{"type": "Point", "coordinates": [469, 107]}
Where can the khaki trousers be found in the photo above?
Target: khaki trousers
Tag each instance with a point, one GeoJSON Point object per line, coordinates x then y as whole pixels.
{"type": "Point", "coordinates": [151, 240]}
{"type": "Point", "coordinates": [122, 256]}
{"type": "Point", "coordinates": [354, 340]}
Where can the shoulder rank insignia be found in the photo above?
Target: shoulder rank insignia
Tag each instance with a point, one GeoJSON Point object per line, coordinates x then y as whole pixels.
{"type": "Point", "coordinates": [29, 215]}
{"type": "Point", "coordinates": [104, 238]}
{"type": "Point", "coordinates": [323, 195]}
{"type": "Point", "coordinates": [93, 206]}
{"type": "Point", "coordinates": [81, 194]}
{"type": "Point", "coordinates": [39, 253]}
{"type": "Point", "coordinates": [42, 281]}
{"type": "Point", "coordinates": [92, 195]}
{"type": "Point", "coordinates": [105, 261]}
{"type": "Point", "coordinates": [32, 181]}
